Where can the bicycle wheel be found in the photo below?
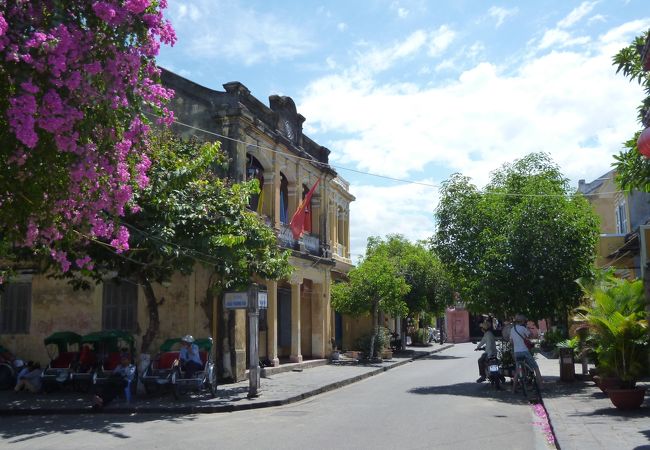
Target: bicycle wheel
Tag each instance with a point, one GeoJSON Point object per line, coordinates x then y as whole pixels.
{"type": "Point", "coordinates": [522, 381]}
{"type": "Point", "coordinates": [532, 378]}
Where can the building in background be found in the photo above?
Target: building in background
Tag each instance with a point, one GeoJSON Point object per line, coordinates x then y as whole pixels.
{"type": "Point", "coordinates": [624, 225]}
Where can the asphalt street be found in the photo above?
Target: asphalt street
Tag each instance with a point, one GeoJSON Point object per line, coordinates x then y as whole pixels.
{"type": "Point", "coordinates": [432, 402]}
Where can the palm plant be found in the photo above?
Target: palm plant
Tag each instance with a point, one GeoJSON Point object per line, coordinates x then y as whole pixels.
{"type": "Point", "coordinates": [616, 316]}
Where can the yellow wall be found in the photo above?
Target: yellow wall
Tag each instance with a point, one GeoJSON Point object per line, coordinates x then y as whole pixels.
{"type": "Point", "coordinates": [57, 307]}
{"type": "Point", "coordinates": [353, 329]}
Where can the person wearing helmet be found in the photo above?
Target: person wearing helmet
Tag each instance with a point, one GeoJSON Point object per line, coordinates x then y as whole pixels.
{"type": "Point", "coordinates": [489, 345]}
{"type": "Point", "coordinates": [518, 334]}
{"type": "Point", "coordinates": [190, 359]}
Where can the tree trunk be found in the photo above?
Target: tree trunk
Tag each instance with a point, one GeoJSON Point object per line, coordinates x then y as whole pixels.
{"type": "Point", "coordinates": [375, 328]}
{"type": "Point", "coordinates": [154, 317]}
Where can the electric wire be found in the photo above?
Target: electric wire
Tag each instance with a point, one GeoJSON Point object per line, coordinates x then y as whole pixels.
{"type": "Point", "coordinates": [361, 172]}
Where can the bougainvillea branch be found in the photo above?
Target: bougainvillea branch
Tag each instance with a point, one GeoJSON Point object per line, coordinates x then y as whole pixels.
{"type": "Point", "coordinates": [75, 79]}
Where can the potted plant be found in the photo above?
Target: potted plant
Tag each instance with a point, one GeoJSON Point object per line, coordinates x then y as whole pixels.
{"type": "Point", "coordinates": [617, 319]}
{"type": "Point", "coordinates": [335, 355]}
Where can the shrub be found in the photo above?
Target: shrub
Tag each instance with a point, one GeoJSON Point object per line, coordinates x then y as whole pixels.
{"type": "Point", "coordinates": [382, 341]}
{"type": "Point", "coordinates": [551, 339]}
{"type": "Point", "coordinates": [420, 336]}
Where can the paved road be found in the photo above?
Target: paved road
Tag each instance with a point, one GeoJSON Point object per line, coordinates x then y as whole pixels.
{"type": "Point", "coordinates": [429, 403]}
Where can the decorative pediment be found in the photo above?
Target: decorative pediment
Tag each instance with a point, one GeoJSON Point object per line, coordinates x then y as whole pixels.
{"type": "Point", "coordinates": [289, 121]}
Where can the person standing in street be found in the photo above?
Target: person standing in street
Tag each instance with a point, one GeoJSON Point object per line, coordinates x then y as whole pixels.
{"type": "Point", "coordinates": [519, 334]}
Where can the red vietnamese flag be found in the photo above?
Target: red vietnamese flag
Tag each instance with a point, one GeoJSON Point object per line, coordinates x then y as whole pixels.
{"type": "Point", "coordinates": [297, 223]}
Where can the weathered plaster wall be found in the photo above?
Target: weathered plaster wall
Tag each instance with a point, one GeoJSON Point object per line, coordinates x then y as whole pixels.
{"type": "Point", "coordinates": [57, 307]}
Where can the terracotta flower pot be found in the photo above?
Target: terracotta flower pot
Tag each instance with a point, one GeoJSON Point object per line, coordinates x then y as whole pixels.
{"type": "Point", "coordinates": [627, 398]}
{"type": "Point", "coordinates": [607, 383]}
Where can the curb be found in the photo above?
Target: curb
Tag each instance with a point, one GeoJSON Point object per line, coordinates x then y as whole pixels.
{"type": "Point", "coordinates": [210, 409]}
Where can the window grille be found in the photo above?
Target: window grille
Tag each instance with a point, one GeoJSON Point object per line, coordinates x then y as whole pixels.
{"type": "Point", "coordinates": [15, 308]}
{"type": "Point", "coordinates": [120, 306]}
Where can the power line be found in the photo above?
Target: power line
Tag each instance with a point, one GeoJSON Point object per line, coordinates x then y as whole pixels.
{"type": "Point", "coordinates": [361, 172]}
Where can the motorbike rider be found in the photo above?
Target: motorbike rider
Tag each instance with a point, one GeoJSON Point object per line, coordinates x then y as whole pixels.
{"type": "Point", "coordinates": [489, 347]}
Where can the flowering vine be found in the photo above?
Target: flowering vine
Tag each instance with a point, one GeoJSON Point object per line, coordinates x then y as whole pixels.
{"type": "Point", "coordinates": [75, 79]}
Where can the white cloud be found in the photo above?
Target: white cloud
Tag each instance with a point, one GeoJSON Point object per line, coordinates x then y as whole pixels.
{"type": "Point", "coordinates": [441, 39]}
{"type": "Point", "coordinates": [596, 18]}
{"type": "Point", "coordinates": [561, 38]}
{"type": "Point", "coordinates": [402, 12]}
{"type": "Point", "coordinates": [342, 26]}
{"type": "Point", "coordinates": [247, 36]}
{"type": "Point", "coordinates": [577, 14]}
{"type": "Point", "coordinates": [501, 14]}
{"type": "Point", "coordinates": [571, 104]}
{"type": "Point", "coordinates": [403, 208]}
{"type": "Point", "coordinates": [379, 59]}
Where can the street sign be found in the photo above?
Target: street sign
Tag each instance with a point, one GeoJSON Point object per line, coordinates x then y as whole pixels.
{"type": "Point", "coordinates": [239, 300]}
{"type": "Point", "coordinates": [235, 300]}
{"type": "Point", "coordinates": [262, 300]}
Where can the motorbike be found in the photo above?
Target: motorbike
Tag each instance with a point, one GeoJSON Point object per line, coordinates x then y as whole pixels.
{"type": "Point", "coordinates": [395, 342]}
{"type": "Point", "coordinates": [493, 371]}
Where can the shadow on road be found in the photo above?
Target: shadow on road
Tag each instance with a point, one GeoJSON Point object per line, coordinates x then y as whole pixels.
{"type": "Point", "coordinates": [436, 356]}
{"type": "Point", "coordinates": [551, 388]}
{"type": "Point", "coordinates": [24, 428]}
{"type": "Point", "coordinates": [468, 389]}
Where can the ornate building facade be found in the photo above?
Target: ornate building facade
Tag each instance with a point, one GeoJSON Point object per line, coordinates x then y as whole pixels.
{"type": "Point", "coordinates": [267, 143]}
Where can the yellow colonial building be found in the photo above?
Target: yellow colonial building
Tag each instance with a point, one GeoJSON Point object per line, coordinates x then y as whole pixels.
{"type": "Point", "coordinates": [263, 142]}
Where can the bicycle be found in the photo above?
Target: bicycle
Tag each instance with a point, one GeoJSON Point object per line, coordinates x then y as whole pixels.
{"type": "Point", "coordinates": [525, 377]}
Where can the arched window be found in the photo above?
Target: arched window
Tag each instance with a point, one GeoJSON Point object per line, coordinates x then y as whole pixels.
{"type": "Point", "coordinates": [254, 170]}
{"type": "Point", "coordinates": [284, 199]}
{"type": "Point", "coordinates": [307, 226]}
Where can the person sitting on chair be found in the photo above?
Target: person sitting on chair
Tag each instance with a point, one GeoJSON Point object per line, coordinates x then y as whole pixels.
{"type": "Point", "coordinates": [29, 378]}
{"type": "Point", "coordinates": [190, 359]}
{"type": "Point", "coordinates": [120, 379]}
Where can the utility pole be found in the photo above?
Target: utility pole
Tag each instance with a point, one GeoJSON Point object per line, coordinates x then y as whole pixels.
{"type": "Point", "coordinates": [253, 351]}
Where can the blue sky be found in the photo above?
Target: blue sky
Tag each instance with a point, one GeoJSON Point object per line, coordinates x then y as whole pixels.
{"type": "Point", "coordinates": [418, 90]}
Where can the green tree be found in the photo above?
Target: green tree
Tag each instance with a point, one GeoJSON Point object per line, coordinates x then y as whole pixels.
{"type": "Point", "coordinates": [374, 286]}
{"type": "Point", "coordinates": [632, 168]}
{"type": "Point", "coordinates": [187, 215]}
{"type": "Point", "coordinates": [519, 245]}
{"type": "Point", "coordinates": [430, 289]}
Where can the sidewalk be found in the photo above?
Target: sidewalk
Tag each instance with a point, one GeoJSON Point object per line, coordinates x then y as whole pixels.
{"type": "Point", "coordinates": [583, 417]}
{"type": "Point", "coordinates": [275, 390]}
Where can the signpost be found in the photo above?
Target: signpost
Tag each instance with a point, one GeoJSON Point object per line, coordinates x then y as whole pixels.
{"type": "Point", "coordinates": [253, 300]}
{"type": "Point", "coordinates": [253, 353]}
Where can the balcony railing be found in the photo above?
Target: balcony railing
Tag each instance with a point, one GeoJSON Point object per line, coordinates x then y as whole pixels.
{"type": "Point", "coordinates": [307, 242]}
{"type": "Point", "coordinates": [340, 250]}
{"type": "Point", "coordinates": [311, 243]}
{"type": "Point", "coordinates": [286, 237]}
